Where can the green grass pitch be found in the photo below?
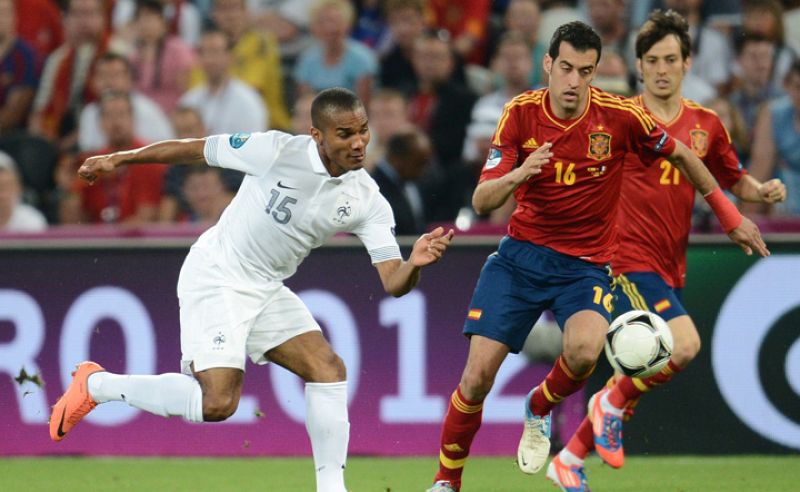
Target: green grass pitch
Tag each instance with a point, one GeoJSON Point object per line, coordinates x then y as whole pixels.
{"type": "Point", "coordinates": [364, 474]}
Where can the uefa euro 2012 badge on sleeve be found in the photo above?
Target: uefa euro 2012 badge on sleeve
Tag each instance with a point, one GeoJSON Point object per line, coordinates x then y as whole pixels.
{"type": "Point", "coordinates": [493, 159]}
{"type": "Point", "coordinates": [238, 139]}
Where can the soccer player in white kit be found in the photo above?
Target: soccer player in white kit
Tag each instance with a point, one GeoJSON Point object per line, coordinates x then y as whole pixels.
{"type": "Point", "coordinates": [298, 191]}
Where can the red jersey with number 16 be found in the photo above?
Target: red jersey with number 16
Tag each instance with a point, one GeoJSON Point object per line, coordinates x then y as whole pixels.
{"type": "Point", "coordinates": [571, 206]}
{"type": "Point", "coordinates": [655, 213]}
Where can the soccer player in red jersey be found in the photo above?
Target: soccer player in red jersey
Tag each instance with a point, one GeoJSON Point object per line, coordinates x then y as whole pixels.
{"type": "Point", "coordinates": [560, 151]}
{"type": "Point", "coordinates": [653, 220]}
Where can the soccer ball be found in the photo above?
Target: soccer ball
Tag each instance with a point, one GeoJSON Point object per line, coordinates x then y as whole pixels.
{"type": "Point", "coordinates": [638, 344]}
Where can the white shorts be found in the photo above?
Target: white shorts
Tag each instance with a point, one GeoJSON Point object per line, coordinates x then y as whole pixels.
{"type": "Point", "coordinates": [221, 326]}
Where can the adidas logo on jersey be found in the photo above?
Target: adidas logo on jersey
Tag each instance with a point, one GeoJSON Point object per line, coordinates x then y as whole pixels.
{"type": "Point", "coordinates": [531, 143]}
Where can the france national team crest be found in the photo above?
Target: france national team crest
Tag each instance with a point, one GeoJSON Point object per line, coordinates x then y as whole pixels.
{"type": "Point", "coordinates": [493, 159]}
{"type": "Point", "coordinates": [699, 142]}
{"type": "Point", "coordinates": [599, 145]}
{"type": "Point", "coordinates": [344, 209]}
{"type": "Point", "coordinates": [238, 139]}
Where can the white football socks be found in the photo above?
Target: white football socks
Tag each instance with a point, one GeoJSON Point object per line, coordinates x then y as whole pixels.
{"type": "Point", "coordinates": [569, 459]}
{"type": "Point", "coordinates": [608, 407]}
{"type": "Point", "coordinates": [168, 395]}
{"type": "Point", "coordinates": [329, 431]}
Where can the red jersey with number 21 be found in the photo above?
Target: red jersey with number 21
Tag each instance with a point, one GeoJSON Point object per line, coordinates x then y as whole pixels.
{"type": "Point", "coordinates": [655, 213]}
{"type": "Point", "coordinates": [571, 206]}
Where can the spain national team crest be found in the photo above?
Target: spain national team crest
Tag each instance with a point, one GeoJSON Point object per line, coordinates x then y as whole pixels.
{"type": "Point", "coordinates": [699, 142]}
{"type": "Point", "coordinates": [599, 146]}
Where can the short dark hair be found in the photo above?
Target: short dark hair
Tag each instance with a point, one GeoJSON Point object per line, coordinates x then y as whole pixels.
{"type": "Point", "coordinates": [579, 35]}
{"type": "Point", "coordinates": [332, 101]}
{"type": "Point", "coordinates": [660, 25]}
{"type": "Point", "coordinates": [111, 56]}
{"type": "Point", "coordinates": [154, 6]}
{"type": "Point", "coordinates": [744, 38]}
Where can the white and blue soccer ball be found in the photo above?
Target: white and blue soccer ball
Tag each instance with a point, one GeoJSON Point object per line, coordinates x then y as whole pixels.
{"type": "Point", "coordinates": [638, 344]}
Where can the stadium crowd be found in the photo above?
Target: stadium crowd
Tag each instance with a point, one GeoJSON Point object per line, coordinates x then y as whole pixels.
{"type": "Point", "coordinates": [87, 77]}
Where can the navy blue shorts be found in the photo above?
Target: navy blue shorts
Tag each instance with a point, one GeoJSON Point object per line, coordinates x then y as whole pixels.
{"type": "Point", "coordinates": [646, 291]}
{"type": "Point", "coordinates": [520, 280]}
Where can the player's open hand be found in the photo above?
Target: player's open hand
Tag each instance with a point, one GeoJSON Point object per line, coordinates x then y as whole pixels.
{"type": "Point", "coordinates": [532, 165]}
{"type": "Point", "coordinates": [430, 247]}
{"type": "Point", "coordinates": [749, 238]}
{"type": "Point", "coordinates": [95, 166]}
{"type": "Point", "coordinates": [773, 191]}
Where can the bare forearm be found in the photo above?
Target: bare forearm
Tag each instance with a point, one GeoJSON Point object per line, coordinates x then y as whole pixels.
{"type": "Point", "coordinates": [492, 194]}
{"type": "Point", "coordinates": [402, 280]}
{"type": "Point", "coordinates": [693, 169]}
{"type": "Point", "coordinates": [186, 151]}
{"type": "Point", "coordinates": [746, 189]}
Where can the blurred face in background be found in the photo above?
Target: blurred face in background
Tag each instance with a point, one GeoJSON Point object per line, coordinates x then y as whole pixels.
{"type": "Point", "coordinates": [215, 56]}
{"type": "Point", "coordinates": [201, 188]}
{"type": "Point", "coordinates": [524, 16]}
{"type": "Point", "coordinates": [8, 21]}
{"type": "Point", "coordinates": [663, 67]}
{"type": "Point", "coordinates": [513, 62]}
{"type": "Point", "coordinates": [116, 118]}
{"type": "Point", "coordinates": [301, 115]}
{"type": "Point", "coordinates": [187, 123]}
{"type": "Point", "coordinates": [755, 61]}
{"type": "Point", "coordinates": [230, 16]}
{"type": "Point", "coordinates": [330, 24]}
{"type": "Point", "coordinates": [406, 24]}
{"type": "Point", "coordinates": [388, 115]}
{"type": "Point", "coordinates": [85, 21]}
{"type": "Point", "coordinates": [151, 26]}
{"type": "Point", "coordinates": [432, 60]}
{"type": "Point", "coordinates": [112, 75]}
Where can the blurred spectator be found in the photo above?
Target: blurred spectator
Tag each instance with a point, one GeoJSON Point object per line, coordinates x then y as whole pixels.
{"type": "Point", "coordinates": [288, 20]}
{"type": "Point", "coordinates": [176, 205]}
{"type": "Point", "coordinates": [370, 26]}
{"type": "Point", "coordinates": [408, 155]}
{"type": "Point", "coordinates": [609, 18]}
{"type": "Point", "coordinates": [440, 107]}
{"type": "Point", "coordinates": [524, 18]}
{"type": "Point", "coordinates": [301, 115]}
{"type": "Point", "coordinates": [755, 57]}
{"type": "Point", "coordinates": [19, 72]}
{"type": "Point", "coordinates": [335, 60]}
{"type": "Point", "coordinates": [64, 87]}
{"type": "Point", "coordinates": [129, 196]}
{"type": "Point", "coordinates": [388, 115]}
{"type": "Point", "coordinates": [113, 73]}
{"type": "Point", "coordinates": [712, 56]}
{"type": "Point", "coordinates": [256, 58]}
{"type": "Point", "coordinates": [39, 24]}
{"type": "Point", "coordinates": [183, 18]}
{"type": "Point", "coordinates": [162, 62]}
{"type": "Point", "coordinates": [16, 216]}
{"type": "Point", "coordinates": [612, 74]}
{"type": "Point", "coordinates": [556, 13]}
{"type": "Point", "coordinates": [776, 143]}
{"type": "Point", "coordinates": [466, 21]}
{"type": "Point", "coordinates": [406, 21]}
{"type": "Point", "coordinates": [205, 193]}
{"type": "Point", "coordinates": [227, 104]}
{"type": "Point", "coordinates": [733, 121]}
{"type": "Point", "coordinates": [791, 24]}
{"type": "Point", "coordinates": [512, 64]}
{"type": "Point", "coordinates": [765, 17]}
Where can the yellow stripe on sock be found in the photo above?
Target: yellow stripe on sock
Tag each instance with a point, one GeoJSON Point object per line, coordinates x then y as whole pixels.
{"type": "Point", "coordinates": [640, 385]}
{"type": "Point", "coordinates": [451, 464]}
{"type": "Point", "coordinates": [551, 397]}
{"type": "Point", "coordinates": [463, 407]}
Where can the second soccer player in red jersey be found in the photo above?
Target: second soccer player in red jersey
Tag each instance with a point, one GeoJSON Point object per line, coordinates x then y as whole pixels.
{"type": "Point", "coordinates": [654, 219]}
{"type": "Point", "coordinates": [560, 151]}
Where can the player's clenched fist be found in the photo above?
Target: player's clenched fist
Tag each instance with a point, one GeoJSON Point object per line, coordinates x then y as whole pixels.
{"type": "Point", "coordinates": [532, 165]}
{"type": "Point", "coordinates": [94, 166]}
{"type": "Point", "coordinates": [773, 191]}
